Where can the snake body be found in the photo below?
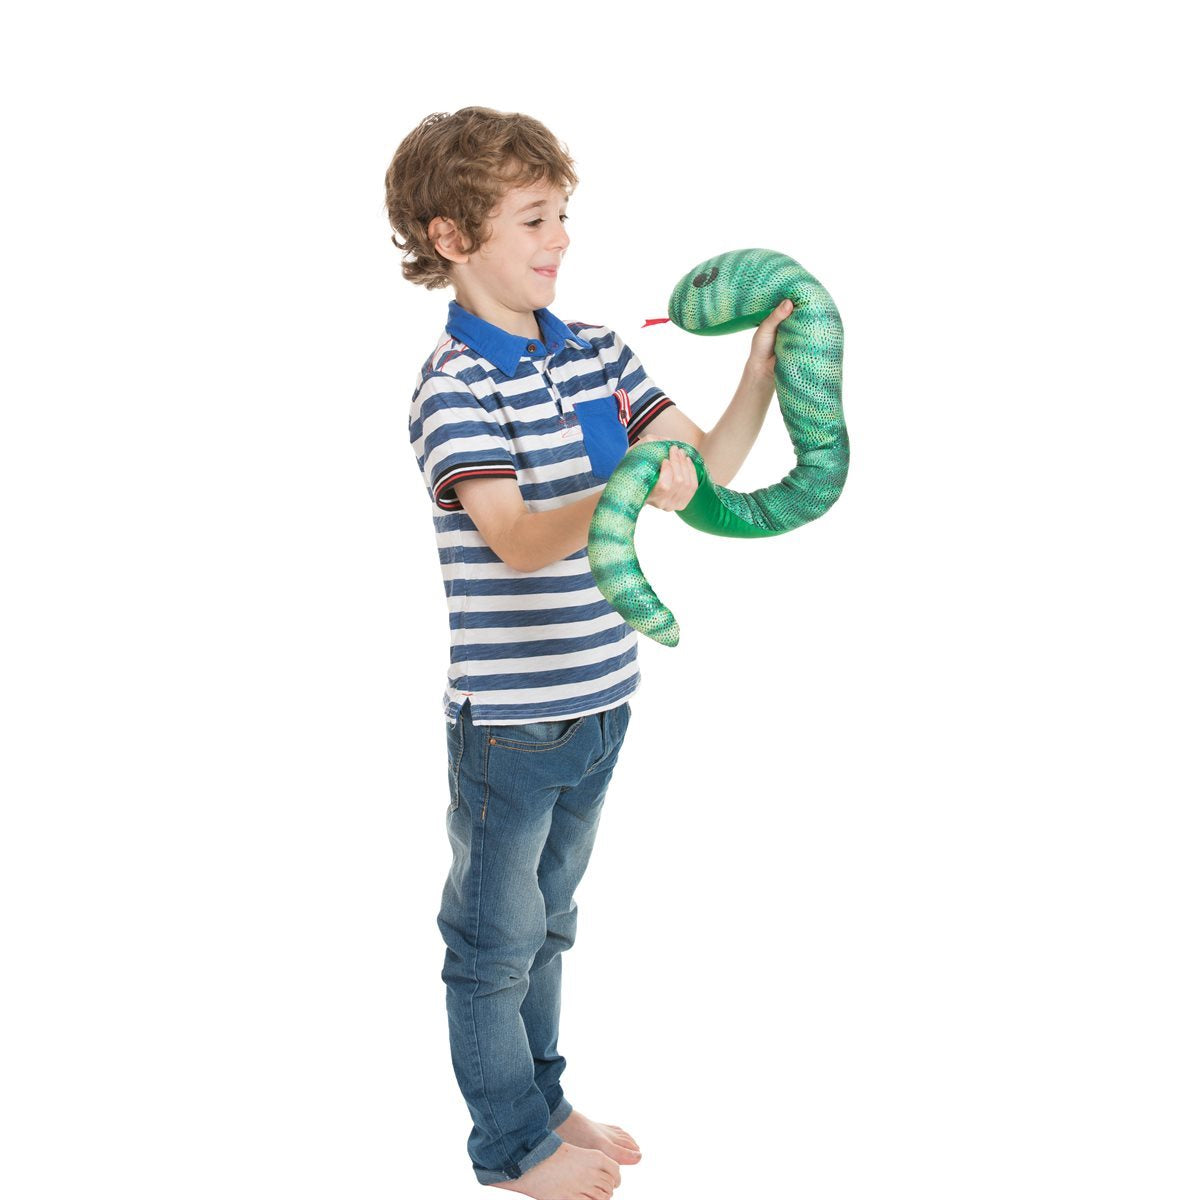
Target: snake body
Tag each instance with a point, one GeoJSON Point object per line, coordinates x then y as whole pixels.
{"type": "Point", "coordinates": [733, 291]}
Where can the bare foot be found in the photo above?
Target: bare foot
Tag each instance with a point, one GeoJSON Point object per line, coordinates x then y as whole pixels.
{"type": "Point", "coordinates": [570, 1173]}
{"type": "Point", "coordinates": [612, 1139]}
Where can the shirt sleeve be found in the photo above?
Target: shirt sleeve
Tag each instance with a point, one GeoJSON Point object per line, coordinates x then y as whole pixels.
{"type": "Point", "coordinates": [454, 438]}
{"type": "Point", "coordinates": [646, 400]}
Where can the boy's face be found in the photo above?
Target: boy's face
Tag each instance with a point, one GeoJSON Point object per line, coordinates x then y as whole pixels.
{"type": "Point", "coordinates": [507, 274]}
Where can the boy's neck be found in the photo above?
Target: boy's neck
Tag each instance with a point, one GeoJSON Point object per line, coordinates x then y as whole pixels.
{"type": "Point", "coordinates": [520, 324]}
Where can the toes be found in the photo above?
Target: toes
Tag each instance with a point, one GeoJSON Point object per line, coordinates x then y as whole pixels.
{"type": "Point", "coordinates": [621, 1135]}
{"type": "Point", "coordinates": [612, 1170]}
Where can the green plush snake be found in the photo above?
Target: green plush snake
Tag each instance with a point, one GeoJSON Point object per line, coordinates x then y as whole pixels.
{"type": "Point", "coordinates": [736, 290]}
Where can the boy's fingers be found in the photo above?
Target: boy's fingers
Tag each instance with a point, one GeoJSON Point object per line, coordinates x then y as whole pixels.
{"type": "Point", "coordinates": [677, 479]}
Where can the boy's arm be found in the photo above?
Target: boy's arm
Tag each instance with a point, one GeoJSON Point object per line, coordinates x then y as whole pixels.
{"type": "Point", "coordinates": [725, 446]}
{"type": "Point", "coordinates": [528, 541]}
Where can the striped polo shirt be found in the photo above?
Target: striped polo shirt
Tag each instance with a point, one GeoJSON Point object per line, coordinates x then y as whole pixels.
{"type": "Point", "coordinates": [555, 414]}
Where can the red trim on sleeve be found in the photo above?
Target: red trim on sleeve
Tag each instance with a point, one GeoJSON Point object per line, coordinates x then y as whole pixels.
{"type": "Point", "coordinates": [444, 495]}
{"type": "Point", "coordinates": [644, 418]}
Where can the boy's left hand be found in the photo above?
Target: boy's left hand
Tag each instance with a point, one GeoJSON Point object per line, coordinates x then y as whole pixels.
{"type": "Point", "coordinates": [761, 363]}
{"type": "Point", "coordinates": [677, 482]}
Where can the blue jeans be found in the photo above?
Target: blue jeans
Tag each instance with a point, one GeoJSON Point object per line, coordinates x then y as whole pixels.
{"type": "Point", "coordinates": [525, 802]}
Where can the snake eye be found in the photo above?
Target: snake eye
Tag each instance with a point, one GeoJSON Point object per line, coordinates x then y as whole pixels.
{"type": "Point", "coordinates": [702, 280]}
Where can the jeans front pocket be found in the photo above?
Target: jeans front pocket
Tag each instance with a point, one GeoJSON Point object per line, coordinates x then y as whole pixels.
{"type": "Point", "coordinates": [615, 724]}
{"type": "Point", "coordinates": [535, 735]}
{"type": "Point", "coordinates": [604, 437]}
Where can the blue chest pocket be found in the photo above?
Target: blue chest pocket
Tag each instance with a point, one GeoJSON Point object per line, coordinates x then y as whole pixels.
{"type": "Point", "coordinates": [604, 437]}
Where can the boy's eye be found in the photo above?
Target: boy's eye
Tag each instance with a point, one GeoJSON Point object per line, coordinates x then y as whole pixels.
{"type": "Point", "coordinates": [539, 220]}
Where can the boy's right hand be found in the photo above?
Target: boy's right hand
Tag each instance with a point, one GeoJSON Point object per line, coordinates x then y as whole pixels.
{"type": "Point", "coordinates": [677, 482]}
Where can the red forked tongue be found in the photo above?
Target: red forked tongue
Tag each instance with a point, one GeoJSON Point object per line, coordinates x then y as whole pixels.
{"type": "Point", "coordinates": [655, 321]}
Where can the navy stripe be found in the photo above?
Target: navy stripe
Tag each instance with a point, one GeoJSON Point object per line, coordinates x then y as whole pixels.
{"type": "Point", "coordinates": [459, 523]}
{"type": "Point", "coordinates": [468, 554]}
{"type": "Point", "coordinates": [545, 456]}
{"type": "Point", "coordinates": [491, 650]}
{"type": "Point", "coordinates": [465, 429]}
{"type": "Point", "coordinates": [485, 554]}
{"type": "Point", "coordinates": [543, 679]}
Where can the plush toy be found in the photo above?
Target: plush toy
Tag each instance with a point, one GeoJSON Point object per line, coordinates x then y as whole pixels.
{"type": "Point", "coordinates": [736, 290]}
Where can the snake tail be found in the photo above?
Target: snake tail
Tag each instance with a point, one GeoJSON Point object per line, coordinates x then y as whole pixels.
{"type": "Point", "coordinates": [611, 554]}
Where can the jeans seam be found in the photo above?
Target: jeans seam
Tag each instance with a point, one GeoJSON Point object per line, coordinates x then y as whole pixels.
{"type": "Point", "coordinates": [486, 765]}
{"type": "Point", "coordinates": [475, 990]}
{"type": "Point", "coordinates": [462, 744]}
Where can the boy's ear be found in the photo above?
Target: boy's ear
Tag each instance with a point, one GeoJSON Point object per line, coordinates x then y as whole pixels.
{"type": "Point", "coordinates": [443, 233]}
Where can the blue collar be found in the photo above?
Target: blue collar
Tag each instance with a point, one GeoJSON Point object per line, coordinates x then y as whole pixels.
{"type": "Point", "coordinates": [505, 350]}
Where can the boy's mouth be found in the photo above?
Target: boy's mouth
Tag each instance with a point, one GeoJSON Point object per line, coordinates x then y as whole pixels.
{"type": "Point", "coordinates": [549, 272]}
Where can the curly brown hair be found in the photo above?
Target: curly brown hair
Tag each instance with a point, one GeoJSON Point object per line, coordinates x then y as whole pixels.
{"type": "Point", "coordinates": [459, 166]}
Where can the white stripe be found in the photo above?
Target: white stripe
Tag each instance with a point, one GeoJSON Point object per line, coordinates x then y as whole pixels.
{"type": "Point", "coordinates": [546, 601]}
{"type": "Point", "coordinates": [576, 370]}
{"type": "Point", "coordinates": [446, 419]}
{"type": "Point", "coordinates": [459, 537]}
{"type": "Point", "coordinates": [539, 633]}
{"type": "Point", "coordinates": [478, 570]}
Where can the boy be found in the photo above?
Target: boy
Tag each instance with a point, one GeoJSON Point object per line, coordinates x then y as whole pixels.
{"type": "Point", "coordinates": [517, 420]}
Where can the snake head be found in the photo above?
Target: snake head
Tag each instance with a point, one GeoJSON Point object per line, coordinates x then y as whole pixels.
{"type": "Point", "coordinates": [735, 290]}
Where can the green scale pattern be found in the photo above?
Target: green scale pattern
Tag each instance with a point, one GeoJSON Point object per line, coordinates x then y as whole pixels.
{"type": "Point", "coordinates": [733, 291]}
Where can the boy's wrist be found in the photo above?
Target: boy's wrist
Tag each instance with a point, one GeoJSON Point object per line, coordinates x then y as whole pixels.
{"type": "Point", "coordinates": [756, 376]}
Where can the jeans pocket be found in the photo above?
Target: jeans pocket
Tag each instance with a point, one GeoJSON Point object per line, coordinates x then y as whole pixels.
{"type": "Point", "coordinates": [535, 735]}
{"type": "Point", "coordinates": [616, 723]}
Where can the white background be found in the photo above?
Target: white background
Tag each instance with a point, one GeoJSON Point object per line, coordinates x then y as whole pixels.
{"type": "Point", "coordinates": [895, 891]}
